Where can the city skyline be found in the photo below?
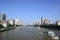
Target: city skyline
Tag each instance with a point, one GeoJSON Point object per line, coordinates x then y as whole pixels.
{"type": "Point", "coordinates": [29, 10]}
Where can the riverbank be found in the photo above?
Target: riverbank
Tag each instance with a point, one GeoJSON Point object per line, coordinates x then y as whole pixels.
{"type": "Point", "coordinates": [6, 29]}
{"type": "Point", "coordinates": [56, 27]}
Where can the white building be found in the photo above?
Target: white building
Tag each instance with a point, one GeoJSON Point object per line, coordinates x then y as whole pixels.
{"type": "Point", "coordinates": [58, 23]}
{"type": "Point", "coordinates": [11, 21]}
{"type": "Point", "coordinates": [5, 23]}
{"type": "Point", "coordinates": [18, 22]}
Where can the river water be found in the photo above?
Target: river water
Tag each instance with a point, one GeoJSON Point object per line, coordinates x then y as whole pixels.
{"type": "Point", "coordinates": [26, 33]}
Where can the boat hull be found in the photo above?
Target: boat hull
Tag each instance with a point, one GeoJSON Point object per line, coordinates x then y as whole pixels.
{"type": "Point", "coordinates": [49, 38]}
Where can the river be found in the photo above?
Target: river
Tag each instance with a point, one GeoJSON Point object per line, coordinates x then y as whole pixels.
{"type": "Point", "coordinates": [26, 33]}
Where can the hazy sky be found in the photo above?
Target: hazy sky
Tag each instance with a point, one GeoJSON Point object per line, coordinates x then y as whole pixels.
{"type": "Point", "coordinates": [29, 10]}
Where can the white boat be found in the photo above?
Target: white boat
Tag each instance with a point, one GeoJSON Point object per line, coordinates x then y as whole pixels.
{"type": "Point", "coordinates": [51, 35]}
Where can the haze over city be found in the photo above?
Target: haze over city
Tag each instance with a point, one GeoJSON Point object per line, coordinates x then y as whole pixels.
{"type": "Point", "coordinates": [29, 10]}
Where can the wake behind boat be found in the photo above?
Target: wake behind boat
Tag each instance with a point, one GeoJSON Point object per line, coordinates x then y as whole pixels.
{"type": "Point", "coordinates": [50, 35]}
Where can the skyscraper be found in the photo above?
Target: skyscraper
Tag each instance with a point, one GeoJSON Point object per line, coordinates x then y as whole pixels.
{"type": "Point", "coordinates": [2, 17]}
{"type": "Point", "coordinates": [44, 21]}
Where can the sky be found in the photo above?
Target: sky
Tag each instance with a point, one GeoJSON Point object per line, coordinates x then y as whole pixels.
{"type": "Point", "coordinates": [29, 10]}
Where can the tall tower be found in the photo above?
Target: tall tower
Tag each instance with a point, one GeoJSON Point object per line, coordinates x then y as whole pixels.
{"type": "Point", "coordinates": [42, 20]}
{"type": "Point", "coordinates": [2, 17]}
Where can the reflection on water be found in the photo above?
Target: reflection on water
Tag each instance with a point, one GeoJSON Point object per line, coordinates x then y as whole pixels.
{"type": "Point", "coordinates": [25, 33]}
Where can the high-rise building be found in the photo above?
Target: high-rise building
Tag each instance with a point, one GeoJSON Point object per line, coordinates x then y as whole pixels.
{"type": "Point", "coordinates": [37, 22]}
{"type": "Point", "coordinates": [2, 17]}
{"type": "Point", "coordinates": [31, 23]}
{"type": "Point", "coordinates": [44, 21]}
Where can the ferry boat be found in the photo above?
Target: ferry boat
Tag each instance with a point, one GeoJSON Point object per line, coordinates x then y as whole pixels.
{"type": "Point", "coordinates": [51, 35]}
